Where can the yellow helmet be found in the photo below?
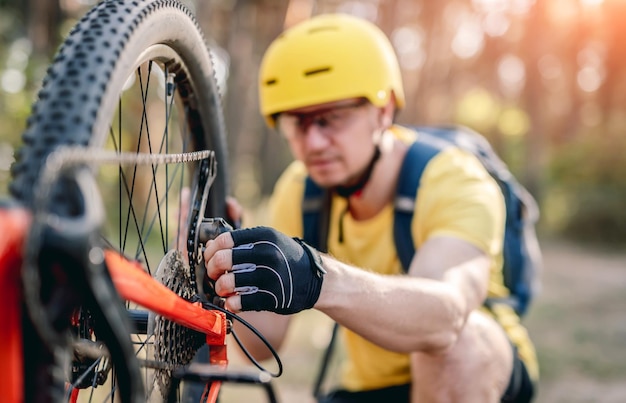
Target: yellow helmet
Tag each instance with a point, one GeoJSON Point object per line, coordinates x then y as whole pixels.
{"type": "Point", "coordinates": [328, 58]}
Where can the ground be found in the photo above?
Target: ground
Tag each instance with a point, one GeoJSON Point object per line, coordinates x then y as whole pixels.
{"type": "Point", "coordinates": [577, 322]}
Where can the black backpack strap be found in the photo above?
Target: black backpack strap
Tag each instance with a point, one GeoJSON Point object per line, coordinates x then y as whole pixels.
{"type": "Point", "coordinates": [328, 355]}
{"type": "Point", "coordinates": [315, 222]}
{"type": "Point", "coordinates": [417, 157]}
{"type": "Point", "coordinates": [315, 215]}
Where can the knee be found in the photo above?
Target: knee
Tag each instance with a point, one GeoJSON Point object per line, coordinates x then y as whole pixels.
{"type": "Point", "coordinates": [481, 348]}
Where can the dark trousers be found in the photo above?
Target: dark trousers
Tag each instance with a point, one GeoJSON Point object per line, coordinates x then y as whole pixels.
{"type": "Point", "coordinates": [520, 390]}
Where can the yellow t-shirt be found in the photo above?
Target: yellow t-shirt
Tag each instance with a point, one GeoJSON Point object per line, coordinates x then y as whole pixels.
{"type": "Point", "coordinates": [457, 197]}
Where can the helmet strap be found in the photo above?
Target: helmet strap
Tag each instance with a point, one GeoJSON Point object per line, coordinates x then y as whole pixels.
{"type": "Point", "coordinates": [356, 189]}
{"type": "Point", "coordinates": [347, 191]}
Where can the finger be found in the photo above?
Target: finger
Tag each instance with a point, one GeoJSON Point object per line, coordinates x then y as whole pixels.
{"type": "Point", "coordinates": [219, 263]}
{"type": "Point", "coordinates": [225, 285]}
{"type": "Point", "coordinates": [234, 209]}
{"type": "Point", "coordinates": [218, 256]}
{"type": "Point", "coordinates": [221, 242]}
{"type": "Point", "coordinates": [233, 303]}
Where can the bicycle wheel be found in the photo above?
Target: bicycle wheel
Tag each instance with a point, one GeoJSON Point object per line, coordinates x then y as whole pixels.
{"type": "Point", "coordinates": [131, 76]}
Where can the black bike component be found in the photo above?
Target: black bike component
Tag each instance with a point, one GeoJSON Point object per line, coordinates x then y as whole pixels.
{"type": "Point", "coordinates": [89, 370]}
{"type": "Point", "coordinates": [210, 228]}
{"type": "Point", "coordinates": [232, 316]}
{"type": "Point", "coordinates": [202, 373]}
{"type": "Point", "coordinates": [202, 229]}
{"type": "Point", "coordinates": [139, 319]}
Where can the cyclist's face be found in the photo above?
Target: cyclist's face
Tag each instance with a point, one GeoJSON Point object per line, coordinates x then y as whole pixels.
{"type": "Point", "coordinates": [335, 140]}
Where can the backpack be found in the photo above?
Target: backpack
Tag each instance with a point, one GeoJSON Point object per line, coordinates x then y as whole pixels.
{"type": "Point", "coordinates": [521, 254]}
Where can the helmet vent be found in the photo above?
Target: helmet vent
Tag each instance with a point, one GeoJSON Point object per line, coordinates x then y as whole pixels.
{"type": "Point", "coordinates": [321, 29]}
{"type": "Point", "coordinates": [317, 71]}
{"type": "Point", "coordinates": [271, 81]}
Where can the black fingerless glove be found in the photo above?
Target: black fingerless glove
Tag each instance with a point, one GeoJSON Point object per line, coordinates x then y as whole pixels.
{"type": "Point", "coordinates": [274, 272]}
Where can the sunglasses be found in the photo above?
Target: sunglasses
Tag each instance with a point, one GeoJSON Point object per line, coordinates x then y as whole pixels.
{"type": "Point", "coordinates": [328, 121]}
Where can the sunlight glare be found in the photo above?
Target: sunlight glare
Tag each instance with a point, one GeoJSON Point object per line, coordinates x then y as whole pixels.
{"type": "Point", "coordinates": [13, 81]}
{"type": "Point", "coordinates": [500, 6]}
{"type": "Point", "coordinates": [550, 67]}
{"type": "Point", "coordinates": [478, 109]}
{"type": "Point", "coordinates": [468, 40]}
{"type": "Point", "coordinates": [6, 156]}
{"type": "Point", "coordinates": [591, 3]}
{"type": "Point", "coordinates": [408, 42]}
{"type": "Point", "coordinates": [589, 79]}
{"type": "Point", "coordinates": [513, 122]}
{"type": "Point", "coordinates": [366, 11]}
{"type": "Point", "coordinates": [512, 74]}
{"type": "Point", "coordinates": [495, 24]}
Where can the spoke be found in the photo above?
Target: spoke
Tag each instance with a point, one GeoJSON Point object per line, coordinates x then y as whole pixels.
{"type": "Point", "coordinates": [180, 210]}
{"type": "Point", "coordinates": [140, 239]}
{"type": "Point", "coordinates": [144, 123]}
{"type": "Point", "coordinates": [122, 185]}
{"type": "Point", "coordinates": [164, 199]}
{"type": "Point", "coordinates": [153, 167]}
{"type": "Point", "coordinates": [146, 233]}
{"type": "Point", "coordinates": [170, 90]}
{"type": "Point", "coordinates": [138, 148]}
{"type": "Point", "coordinates": [148, 340]}
{"type": "Point", "coordinates": [167, 149]}
{"type": "Point", "coordinates": [120, 171]}
{"type": "Point", "coordinates": [164, 146]}
{"type": "Point", "coordinates": [182, 175]}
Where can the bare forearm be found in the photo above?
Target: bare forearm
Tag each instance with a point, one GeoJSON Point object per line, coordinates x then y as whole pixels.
{"type": "Point", "coordinates": [399, 313]}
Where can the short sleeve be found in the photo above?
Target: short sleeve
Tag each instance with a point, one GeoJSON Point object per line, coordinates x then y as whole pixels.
{"type": "Point", "coordinates": [458, 197]}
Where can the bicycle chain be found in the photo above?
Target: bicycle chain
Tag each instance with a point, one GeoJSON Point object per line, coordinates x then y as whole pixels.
{"type": "Point", "coordinates": [68, 157]}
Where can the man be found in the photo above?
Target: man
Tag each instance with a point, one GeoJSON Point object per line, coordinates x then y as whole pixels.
{"type": "Point", "coordinates": [331, 86]}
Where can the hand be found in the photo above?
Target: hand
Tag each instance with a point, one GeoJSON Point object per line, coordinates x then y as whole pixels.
{"type": "Point", "coordinates": [261, 269]}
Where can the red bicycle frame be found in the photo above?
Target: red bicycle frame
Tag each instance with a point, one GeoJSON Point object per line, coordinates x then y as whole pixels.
{"type": "Point", "coordinates": [132, 283]}
{"type": "Point", "coordinates": [14, 225]}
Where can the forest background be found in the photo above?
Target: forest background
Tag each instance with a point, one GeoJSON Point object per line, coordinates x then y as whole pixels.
{"type": "Point", "coordinates": [543, 80]}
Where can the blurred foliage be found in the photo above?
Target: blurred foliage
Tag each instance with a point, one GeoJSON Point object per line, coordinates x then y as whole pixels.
{"type": "Point", "coordinates": [543, 80]}
{"type": "Point", "coordinates": [14, 105]}
{"type": "Point", "coordinates": [587, 189]}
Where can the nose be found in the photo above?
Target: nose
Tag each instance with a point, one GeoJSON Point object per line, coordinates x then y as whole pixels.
{"type": "Point", "coordinates": [314, 138]}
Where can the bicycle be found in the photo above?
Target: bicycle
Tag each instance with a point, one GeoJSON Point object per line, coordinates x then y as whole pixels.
{"type": "Point", "coordinates": [88, 237]}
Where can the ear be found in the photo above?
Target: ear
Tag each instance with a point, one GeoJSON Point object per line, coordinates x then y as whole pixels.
{"type": "Point", "coordinates": [388, 112]}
